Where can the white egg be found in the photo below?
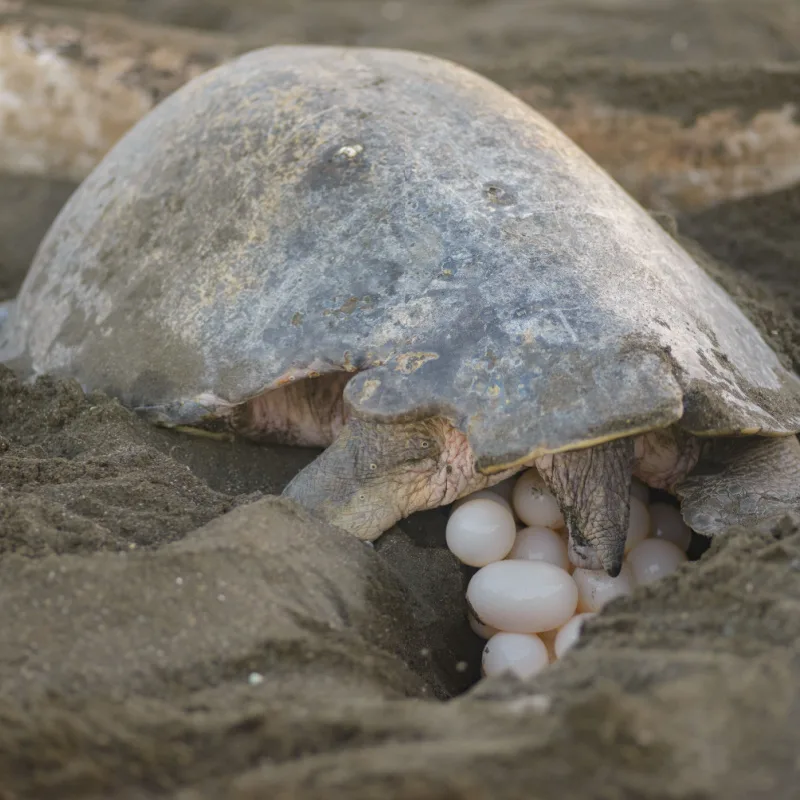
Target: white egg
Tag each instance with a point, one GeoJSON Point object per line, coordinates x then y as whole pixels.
{"type": "Point", "coordinates": [640, 490]}
{"type": "Point", "coordinates": [638, 524]}
{"type": "Point", "coordinates": [480, 532]}
{"type": "Point", "coordinates": [534, 503]}
{"type": "Point", "coordinates": [484, 631]}
{"type": "Point", "coordinates": [653, 559]}
{"type": "Point", "coordinates": [569, 633]}
{"type": "Point", "coordinates": [483, 494]}
{"type": "Point", "coordinates": [522, 654]}
{"type": "Point", "coordinates": [522, 596]}
{"type": "Point", "coordinates": [540, 544]}
{"type": "Point", "coordinates": [668, 524]}
{"type": "Point", "coordinates": [595, 588]}
{"type": "Point", "coordinates": [504, 489]}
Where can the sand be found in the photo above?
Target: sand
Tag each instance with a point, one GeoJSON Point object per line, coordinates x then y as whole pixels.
{"type": "Point", "coordinates": [171, 629]}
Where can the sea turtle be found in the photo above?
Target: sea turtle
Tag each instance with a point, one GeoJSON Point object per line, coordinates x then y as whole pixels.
{"type": "Point", "coordinates": [385, 254]}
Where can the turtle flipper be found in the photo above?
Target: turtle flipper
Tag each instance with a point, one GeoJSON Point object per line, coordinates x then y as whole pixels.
{"type": "Point", "coordinates": [743, 481]}
{"type": "Point", "coordinates": [592, 486]}
{"type": "Point", "coordinates": [207, 417]}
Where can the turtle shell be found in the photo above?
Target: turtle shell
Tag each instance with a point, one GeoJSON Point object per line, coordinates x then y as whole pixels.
{"type": "Point", "coordinates": [302, 210]}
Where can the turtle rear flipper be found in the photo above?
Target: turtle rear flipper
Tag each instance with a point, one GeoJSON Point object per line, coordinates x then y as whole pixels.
{"type": "Point", "coordinates": [742, 482]}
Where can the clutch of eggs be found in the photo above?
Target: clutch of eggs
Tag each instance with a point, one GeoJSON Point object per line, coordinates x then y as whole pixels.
{"type": "Point", "coordinates": [526, 598]}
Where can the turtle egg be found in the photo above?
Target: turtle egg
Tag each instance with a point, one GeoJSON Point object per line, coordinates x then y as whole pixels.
{"type": "Point", "coordinates": [540, 544]}
{"type": "Point", "coordinates": [595, 588]}
{"type": "Point", "coordinates": [522, 596]}
{"type": "Point", "coordinates": [668, 525]}
{"type": "Point", "coordinates": [483, 494]}
{"type": "Point", "coordinates": [479, 629]}
{"type": "Point", "coordinates": [640, 490]}
{"type": "Point", "coordinates": [653, 559]}
{"type": "Point", "coordinates": [480, 532]}
{"type": "Point", "coordinates": [522, 654]}
{"type": "Point", "coordinates": [534, 503]}
{"type": "Point", "coordinates": [569, 633]}
{"type": "Point", "coordinates": [638, 524]}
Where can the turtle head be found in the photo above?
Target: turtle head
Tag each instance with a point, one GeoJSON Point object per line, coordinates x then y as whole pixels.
{"type": "Point", "coordinates": [376, 473]}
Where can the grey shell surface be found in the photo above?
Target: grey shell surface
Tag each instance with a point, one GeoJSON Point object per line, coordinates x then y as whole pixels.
{"type": "Point", "coordinates": [308, 209]}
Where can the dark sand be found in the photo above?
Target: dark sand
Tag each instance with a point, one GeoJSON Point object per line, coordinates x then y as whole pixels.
{"type": "Point", "coordinates": [169, 630]}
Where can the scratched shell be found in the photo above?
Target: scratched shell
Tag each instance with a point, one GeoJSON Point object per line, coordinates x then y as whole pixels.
{"type": "Point", "coordinates": [308, 209]}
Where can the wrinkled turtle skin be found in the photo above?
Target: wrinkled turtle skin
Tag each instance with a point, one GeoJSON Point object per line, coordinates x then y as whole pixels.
{"type": "Point", "coordinates": [303, 211]}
